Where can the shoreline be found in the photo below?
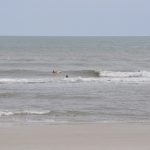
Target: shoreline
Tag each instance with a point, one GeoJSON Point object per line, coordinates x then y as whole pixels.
{"type": "Point", "coordinates": [103, 136]}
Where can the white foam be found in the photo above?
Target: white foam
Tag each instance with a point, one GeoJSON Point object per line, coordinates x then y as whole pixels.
{"type": "Point", "coordinates": [27, 112]}
{"type": "Point", "coordinates": [23, 80]}
{"type": "Point", "coordinates": [124, 74]}
{"type": "Point", "coordinates": [5, 113]}
{"type": "Point", "coordinates": [146, 74]}
{"type": "Point", "coordinates": [34, 112]}
{"type": "Point", "coordinates": [109, 79]}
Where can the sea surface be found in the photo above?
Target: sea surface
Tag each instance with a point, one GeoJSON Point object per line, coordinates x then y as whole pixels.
{"type": "Point", "coordinates": [108, 80]}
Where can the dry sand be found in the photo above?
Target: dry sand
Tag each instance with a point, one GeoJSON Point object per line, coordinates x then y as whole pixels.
{"type": "Point", "coordinates": [76, 137]}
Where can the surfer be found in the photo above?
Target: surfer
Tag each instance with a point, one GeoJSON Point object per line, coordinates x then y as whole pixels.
{"type": "Point", "coordinates": [67, 76]}
{"type": "Point", "coordinates": [57, 72]}
{"type": "Point", "coordinates": [53, 71]}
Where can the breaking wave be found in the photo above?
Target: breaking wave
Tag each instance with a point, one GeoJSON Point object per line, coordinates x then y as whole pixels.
{"type": "Point", "coordinates": [84, 76]}
{"type": "Point", "coordinates": [24, 80]}
{"type": "Point", "coordinates": [49, 113]}
{"type": "Point", "coordinates": [8, 113]}
{"type": "Point", "coordinates": [82, 73]}
{"type": "Point", "coordinates": [120, 74]}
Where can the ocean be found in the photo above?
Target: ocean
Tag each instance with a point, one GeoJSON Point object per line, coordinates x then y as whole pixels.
{"type": "Point", "coordinates": [108, 80]}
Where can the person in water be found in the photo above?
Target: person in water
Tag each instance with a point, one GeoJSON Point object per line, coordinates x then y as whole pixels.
{"type": "Point", "coordinates": [56, 71]}
{"type": "Point", "coordinates": [67, 76]}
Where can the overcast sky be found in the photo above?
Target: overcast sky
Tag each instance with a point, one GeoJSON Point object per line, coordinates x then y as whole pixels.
{"type": "Point", "coordinates": [75, 17]}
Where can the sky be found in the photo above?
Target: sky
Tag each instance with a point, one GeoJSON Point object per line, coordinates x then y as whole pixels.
{"type": "Point", "coordinates": [75, 17]}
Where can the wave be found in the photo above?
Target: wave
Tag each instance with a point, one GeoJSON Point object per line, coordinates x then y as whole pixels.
{"type": "Point", "coordinates": [82, 73]}
{"type": "Point", "coordinates": [49, 113]}
{"type": "Point", "coordinates": [120, 74]}
{"type": "Point", "coordinates": [84, 76]}
{"type": "Point", "coordinates": [73, 73]}
{"type": "Point", "coordinates": [114, 74]}
{"type": "Point", "coordinates": [9, 113]}
{"type": "Point", "coordinates": [77, 73]}
{"type": "Point", "coordinates": [23, 80]}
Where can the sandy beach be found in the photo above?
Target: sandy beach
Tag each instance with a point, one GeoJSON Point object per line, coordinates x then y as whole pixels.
{"type": "Point", "coordinates": [76, 137]}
